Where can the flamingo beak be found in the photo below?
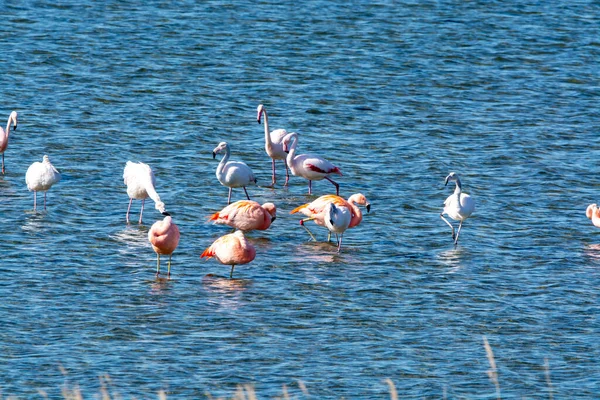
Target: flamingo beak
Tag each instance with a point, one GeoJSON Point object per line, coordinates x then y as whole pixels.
{"type": "Point", "coordinates": [166, 214]}
{"type": "Point", "coordinates": [273, 219]}
{"type": "Point", "coordinates": [258, 118]}
{"type": "Point", "coordinates": [214, 155]}
{"type": "Point", "coordinates": [368, 206]}
{"type": "Point", "coordinates": [15, 128]}
{"type": "Point", "coordinates": [447, 178]}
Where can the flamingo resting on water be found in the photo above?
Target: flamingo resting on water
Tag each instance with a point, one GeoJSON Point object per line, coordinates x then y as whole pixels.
{"type": "Point", "coordinates": [140, 182]}
{"type": "Point", "coordinates": [458, 206]}
{"type": "Point", "coordinates": [337, 219]}
{"type": "Point", "coordinates": [315, 210]}
{"type": "Point", "coordinates": [232, 249]}
{"type": "Point", "coordinates": [164, 238]}
{"type": "Point", "coordinates": [274, 143]}
{"type": "Point", "coordinates": [12, 120]}
{"type": "Point", "coordinates": [40, 177]}
{"type": "Point", "coordinates": [246, 215]}
{"type": "Point", "coordinates": [593, 213]}
{"type": "Point", "coordinates": [308, 166]}
{"type": "Point", "coordinates": [233, 174]}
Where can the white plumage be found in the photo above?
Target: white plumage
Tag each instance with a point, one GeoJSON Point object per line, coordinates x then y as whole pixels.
{"type": "Point", "coordinates": [232, 174]}
{"type": "Point", "coordinates": [140, 182]}
{"type": "Point", "coordinates": [274, 143]}
{"type": "Point", "coordinates": [40, 177]}
{"type": "Point", "coordinates": [337, 219]}
{"type": "Point", "coordinates": [458, 206]}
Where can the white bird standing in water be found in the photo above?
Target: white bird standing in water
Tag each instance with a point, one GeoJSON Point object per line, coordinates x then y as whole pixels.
{"type": "Point", "coordinates": [337, 220]}
{"type": "Point", "coordinates": [40, 177]}
{"type": "Point", "coordinates": [233, 174]}
{"type": "Point", "coordinates": [274, 143]}
{"type": "Point", "coordinates": [458, 206]}
{"type": "Point", "coordinates": [140, 182]}
{"type": "Point", "coordinates": [12, 118]}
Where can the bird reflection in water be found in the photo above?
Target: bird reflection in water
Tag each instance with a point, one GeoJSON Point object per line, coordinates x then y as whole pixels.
{"type": "Point", "coordinates": [592, 251]}
{"type": "Point", "coordinates": [224, 284]}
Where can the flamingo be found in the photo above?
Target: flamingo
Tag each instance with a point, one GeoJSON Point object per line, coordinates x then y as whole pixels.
{"type": "Point", "coordinates": [337, 220]}
{"type": "Point", "coordinates": [140, 182]}
{"type": "Point", "coordinates": [459, 206]}
{"type": "Point", "coordinates": [274, 143]}
{"type": "Point", "coordinates": [593, 213]}
{"type": "Point", "coordinates": [40, 177]}
{"type": "Point", "coordinates": [315, 210]}
{"type": "Point", "coordinates": [12, 119]}
{"type": "Point", "coordinates": [308, 166]}
{"type": "Point", "coordinates": [232, 249]}
{"type": "Point", "coordinates": [246, 215]}
{"type": "Point", "coordinates": [232, 173]}
{"type": "Point", "coordinates": [164, 238]}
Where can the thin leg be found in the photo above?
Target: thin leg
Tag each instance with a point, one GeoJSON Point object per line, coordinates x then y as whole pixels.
{"type": "Point", "coordinates": [128, 208]}
{"type": "Point", "coordinates": [246, 192]}
{"type": "Point", "coordinates": [309, 187]}
{"type": "Point", "coordinates": [2, 163]}
{"type": "Point", "coordinates": [45, 201]}
{"type": "Point", "coordinates": [274, 179]}
{"type": "Point", "coordinates": [458, 233]}
{"type": "Point", "coordinates": [302, 221]}
{"type": "Point", "coordinates": [34, 200]}
{"type": "Point", "coordinates": [340, 243]}
{"type": "Point", "coordinates": [287, 173]}
{"type": "Point", "coordinates": [142, 210]}
{"type": "Point", "coordinates": [329, 236]}
{"type": "Point", "coordinates": [231, 273]}
{"type": "Point", "coordinates": [157, 264]}
{"type": "Point", "coordinates": [337, 186]}
{"type": "Point", "coordinates": [229, 197]}
{"type": "Point", "coordinates": [449, 224]}
{"type": "Point", "coordinates": [169, 267]}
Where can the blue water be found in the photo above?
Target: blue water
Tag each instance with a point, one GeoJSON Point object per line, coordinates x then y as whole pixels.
{"type": "Point", "coordinates": [397, 94]}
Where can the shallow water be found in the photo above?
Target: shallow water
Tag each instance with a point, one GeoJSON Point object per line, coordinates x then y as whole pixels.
{"type": "Point", "coordinates": [397, 94]}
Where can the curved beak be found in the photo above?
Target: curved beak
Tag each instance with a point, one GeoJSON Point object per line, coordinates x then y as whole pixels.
{"type": "Point", "coordinates": [258, 118]}
{"type": "Point", "coordinates": [15, 127]}
{"type": "Point", "coordinates": [368, 206]}
{"type": "Point", "coordinates": [446, 184]}
{"type": "Point", "coordinates": [214, 155]}
{"type": "Point", "coordinates": [273, 219]}
{"type": "Point", "coordinates": [166, 214]}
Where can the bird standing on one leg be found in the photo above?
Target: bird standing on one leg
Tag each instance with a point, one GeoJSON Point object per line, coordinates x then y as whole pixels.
{"type": "Point", "coordinates": [164, 238]}
{"type": "Point", "coordinates": [12, 120]}
{"type": "Point", "coordinates": [246, 215]}
{"type": "Point", "coordinates": [458, 206]}
{"type": "Point", "coordinates": [233, 249]}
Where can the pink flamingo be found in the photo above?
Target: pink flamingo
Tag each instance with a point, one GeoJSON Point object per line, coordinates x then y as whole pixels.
{"type": "Point", "coordinates": [274, 143]}
{"type": "Point", "coordinates": [232, 173]}
{"type": "Point", "coordinates": [246, 215]}
{"type": "Point", "coordinates": [140, 182]}
{"type": "Point", "coordinates": [40, 177]}
{"type": "Point", "coordinates": [308, 166]}
{"type": "Point", "coordinates": [593, 213]}
{"type": "Point", "coordinates": [232, 249]}
{"type": "Point", "coordinates": [164, 237]}
{"type": "Point", "coordinates": [315, 211]}
{"type": "Point", "coordinates": [12, 118]}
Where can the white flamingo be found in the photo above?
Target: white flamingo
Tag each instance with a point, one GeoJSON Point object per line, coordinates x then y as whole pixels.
{"type": "Point", "coordinates": [458, 206]}
{"type": "Point", "coordinates": [308, 166]}
{"type": "Point", "coordinates": [274, 143]}
{"type": "Point", "coordinates": [233, 174]}
{"type": "Point", "coordinates": [140, 182]}
{"type": "Point", "coordinates": [12, 119]}
{"type": "Point", "coordinates": [593, 213]}
{"type": "Point", "coordinates": [337, 220]}
{"type": "Point", "coordinates": [40, 177]}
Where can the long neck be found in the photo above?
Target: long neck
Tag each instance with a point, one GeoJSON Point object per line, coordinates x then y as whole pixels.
{"type": "Point", "coordinates": [458, 188]}
{"type": "Point", "coordinates": [292, 151]}
{"type": "Point", "coordinates": [356, 213]}
{"type": "Point", "coordinates": [149, 186]}
{"type": "Point", "coordinates": [7, 132]}
{"type": "Point", "coordinates": [268, 141]}
{"type": "Point", "coordinates": [223, 160]}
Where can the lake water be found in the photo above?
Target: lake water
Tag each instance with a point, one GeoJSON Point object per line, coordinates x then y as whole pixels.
{"type": "Point", "coordinates": [397, 94]}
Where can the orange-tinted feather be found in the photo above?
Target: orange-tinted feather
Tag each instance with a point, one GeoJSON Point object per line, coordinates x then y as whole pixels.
{"type": "Point", "coordinates": [208, 253]}
{"type": "Point", "coordinates": [214, 217]}
{"type": "Point", "coordinates": [299, 209]}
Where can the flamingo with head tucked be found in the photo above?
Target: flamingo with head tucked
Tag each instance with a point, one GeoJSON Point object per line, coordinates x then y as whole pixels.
{"type": "Point", "coordinates": [337, 220]}
{"type": "Point", "coordinates": [246, 215]}
{"type": "Point", "coordinates": [593, 213]}
{"type": "Point", "coordinates": [40, 177]}
{"type": "Point", "coordinates": [12, 120]}
{"type": "Point", "coordinates": [274, 143]}
{"type": "Point", "coordinates": [164, 238]}
{"type": "Point", "coordinates": [140, 182]}
{"type": "Point", "coordinates": [458, 206]}
{"type": "Point", "coordinates": [232, 174]}
{"type": "Point", "coordinates": [233, 249]}
{"type": "Point", "coordinates": [308, 166]}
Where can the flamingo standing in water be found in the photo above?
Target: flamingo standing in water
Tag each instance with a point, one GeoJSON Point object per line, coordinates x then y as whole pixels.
{"type": "Point", "coordinates": [337, 220]}
{"type": "Point", "coordinates": [233, 249]}
{"type": "Point", "coordinates": [459, 206]}
{"type": "Point", "coordinates": [140, 182]}
{"type": "Point", "coordinates": [233, 174]}
{"type": "Point", "coordinates": [308, 166]}
{"type": "Point", "coordinates": [274, 143]}
{"type": "Point", "coordinates": [164, 238]}
{"type": "Point", "coordinates": [12, 120]}
{"type": "Point", "coordinates": [40, 177]}
{"type": "Point", "coordinates": [593, 213]}
{"type": "Point", "coordinates": [315, 210]}
{"type": "Point", "coordinates": [246, 215]}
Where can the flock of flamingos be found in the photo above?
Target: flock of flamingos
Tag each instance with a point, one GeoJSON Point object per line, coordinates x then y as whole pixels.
{"type": "Point", "coordinates": [331, 211]}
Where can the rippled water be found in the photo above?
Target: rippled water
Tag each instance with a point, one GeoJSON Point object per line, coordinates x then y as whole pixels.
{"type": "Point", "coordinates": [397, 94]}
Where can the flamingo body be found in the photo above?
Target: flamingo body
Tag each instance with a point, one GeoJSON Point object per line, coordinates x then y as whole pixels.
{"type": "Point", "coordinates": [4, 134]}
{"type": "Point", "coordinates": [232, 249]}
{"type": "Point", "coordinates": [458, 206]}
{"type": "Point", "coordinates": [593, 213]}
{"type": "Point", "coordinates": [233, 174]}
{"type": "Point", "coordinates": [164, 238]}
{"type": "Point", "coordinates": [337, 220]}
{"type": "Point", "coordinates": [140, 182]}
{"type": "Point", "coordinates": [40, 177]}
{"type": "Point", "coordinates": [246, 215]}
{"type": "Point", "coordinates": [315, 209]}
{"type": "Point", "coordinates": [274, 143]}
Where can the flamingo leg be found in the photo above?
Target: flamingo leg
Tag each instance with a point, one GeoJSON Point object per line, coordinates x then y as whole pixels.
{"type": "Point", "coordinates": [34, 200]}
{"type": "Point", "coordinates": [449, 224]}
{"type": "Point", "coordinates": [458, 233]}
{"type": "Point", "coordinates": [309, 187]}
{"type": "Point", "coordinates": [302, 221]}
{"type": "Point", "coordinates": [157, 264]}
{"type": "Point", "coordinates": [329, 236]}
{"type": "Point", "coordinates": [246, 192]}
{"type": "Point", "coordinates": [169, 267]}
{"type": "Point", "coordinates": [128, 208]}
{"type": "Point", "coordinates": [340, 243]}
{"type": "Point", "coordinates": [274, 179]}
{"type": "Point", "coordinates": [45, 201]}
{"type": "Point", "coordinates": [2, 163]}
{"type": "Point", "coordinates": [142, 210]}
{"type": "Point", "coordinates": [287, 173]}
{"type": "Point", "coordinates": [229, 197]}
{"type": "Point", "coordinates": [231, 273]}
{"type": "Point", "coordinates": [337, 186]}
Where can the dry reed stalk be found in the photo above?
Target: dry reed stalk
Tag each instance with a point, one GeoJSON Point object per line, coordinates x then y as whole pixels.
{"type": "Point", "coordinates": [302, 387]}
{"type": "Point", "coordinates": [492, 372]}
{"type": "Point", "coordinates": [393, 392]}
{"type": "Point", "coordinates": [548, 381]}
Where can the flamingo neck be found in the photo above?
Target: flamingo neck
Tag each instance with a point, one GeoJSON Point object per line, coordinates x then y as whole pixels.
{"type": "Point", "coordinates": [458, 188]}
{"type": "Point", "coordinates": [292, 151]}
{"type": "Point", "coordinates": [223, 160]}
{"type": "Point", "coordinates": [356, 213]}
{"type": "Point", "coordinates": [8, 124]}
{"type": "Point", "coordinates": [268, 140]}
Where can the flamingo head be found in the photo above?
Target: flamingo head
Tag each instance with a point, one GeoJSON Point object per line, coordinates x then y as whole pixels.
{"type": "Point", "coordinates": [160, 206]}
{"type": "Point", "coordinates": [591, 209]}
{"type": "Point", "coordinates": [13, 118]}
{"type": "Point", "coordinates": [453, 176]}
{"type": "Point", "coordinates": [259, 112]}
{"type": "Point", "coordinates": [287, 139]}
{"type": "Point", "coordinates": [221, 146]}
{"type": "Point", "coordinates": [271, 209]}
{"type": "Point", "coordinates": [46, 159]}
{"type": "Point", "coordinates": [360, 198]}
